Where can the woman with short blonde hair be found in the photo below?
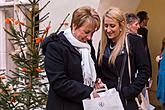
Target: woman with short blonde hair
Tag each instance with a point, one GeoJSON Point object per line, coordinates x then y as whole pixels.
{"type": "Point", "coordinates": [68, 63]}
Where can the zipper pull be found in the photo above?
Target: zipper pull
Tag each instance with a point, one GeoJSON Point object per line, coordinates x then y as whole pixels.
{"type": "Point", "coordinates": [119, 84]}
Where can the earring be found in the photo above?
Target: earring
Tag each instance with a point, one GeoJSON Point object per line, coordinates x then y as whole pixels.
{"type": "Point", "coordinates": [73, 32]}
{"type": "Point", "coordinates": [120, 29]}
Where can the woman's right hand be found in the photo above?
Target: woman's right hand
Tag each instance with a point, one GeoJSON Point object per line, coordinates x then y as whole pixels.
{"type": "Point", "coordinates": [99, 84]}
{"type": "Point", "coordinates": [158, 58]}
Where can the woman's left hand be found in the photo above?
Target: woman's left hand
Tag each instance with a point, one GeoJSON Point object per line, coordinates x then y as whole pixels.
{"type": "Point", "coordinates": [95, 94]}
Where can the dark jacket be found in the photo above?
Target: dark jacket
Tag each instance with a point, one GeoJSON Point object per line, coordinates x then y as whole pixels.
{"type": "Point", "coordinates": [110, 73]}
{"type": "Point", "coordinates": [63, 69]}
{"type": "Point", "coordinates": [144, 32]}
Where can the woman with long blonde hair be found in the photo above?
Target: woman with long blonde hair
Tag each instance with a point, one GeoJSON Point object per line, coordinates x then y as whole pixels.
{"type": "Point", "coordinates": [113, 57]}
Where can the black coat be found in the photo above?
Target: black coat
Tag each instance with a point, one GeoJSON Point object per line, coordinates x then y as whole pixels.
{"type": "Point", "coordinates": [144, 32]}
{"type": "Point", "coordinates": [63, 69]}
{"type": "Point", "coordinates": [109, 73]}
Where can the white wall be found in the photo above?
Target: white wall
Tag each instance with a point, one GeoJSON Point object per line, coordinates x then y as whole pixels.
{"type": "Point", "coordinates": [125, 5]}
{"type": "Point", "coordinates": [2, 41]}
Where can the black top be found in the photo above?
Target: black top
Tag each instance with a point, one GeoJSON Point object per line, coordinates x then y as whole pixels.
{"type": "Point", "coordinates": [144, 32]}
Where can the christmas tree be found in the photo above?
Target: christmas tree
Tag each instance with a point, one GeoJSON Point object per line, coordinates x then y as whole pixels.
{"type": "Point", "coordinates": [26, 88]}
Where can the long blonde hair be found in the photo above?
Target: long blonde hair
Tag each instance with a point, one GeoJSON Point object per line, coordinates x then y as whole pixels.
{"type": "Point", "coordinates": [117, 14]}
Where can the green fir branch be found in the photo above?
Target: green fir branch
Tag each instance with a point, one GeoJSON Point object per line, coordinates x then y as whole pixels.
{"type": "Point", "coordinates": [31, 1]}
{"type": "Point", "coordinates": [62, 24]}
{"type": "Point", "coordinates": [43, 18]}
{"type": "Point", "coordinates": [24, 6]}
{"type": "Point", "coordinates": [20, 26]}
{"type": "Point", "coordinates": [37, 12]}
{"type": "Point", "coordinates": [37, 1]}
{"type": "Point", "coordinates": [8, 32]}
{"type": "Point", "coordinates": [24, 13]}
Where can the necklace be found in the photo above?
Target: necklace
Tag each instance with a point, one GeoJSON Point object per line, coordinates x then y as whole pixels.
{"type": "Point", "coordinates": [111, 46]}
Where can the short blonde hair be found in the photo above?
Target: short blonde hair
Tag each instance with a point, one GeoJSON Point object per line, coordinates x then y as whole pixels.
{"type": "Point", "coordinates": [118, 15]}
{"type": "Point", "coordinates": [83, 14]}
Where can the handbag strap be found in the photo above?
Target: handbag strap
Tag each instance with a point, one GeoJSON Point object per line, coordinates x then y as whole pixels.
{"type": "Point", "coordinates": [129, 65]}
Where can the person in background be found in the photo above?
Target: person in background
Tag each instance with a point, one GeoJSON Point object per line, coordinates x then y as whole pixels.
{"type": "Point", "coordinates": [160, 93]}
{"type": "Point", "coordinates": [143, 16]}
{"type": "Point", "coordinates": [112, 69]}
{"type": "Point", "coordinates": [68, 63]}
{"type": "Point", "coordinates": [132, 23]}
{"type": "Point", "coordinates": [132, 27]}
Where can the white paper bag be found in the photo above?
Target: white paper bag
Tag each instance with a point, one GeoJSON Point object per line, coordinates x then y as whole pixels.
{"type": "Point", "coordinates": [109, 100]}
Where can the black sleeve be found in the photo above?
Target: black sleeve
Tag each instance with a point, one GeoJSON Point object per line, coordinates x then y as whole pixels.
{"type": "Point", "coordinates": [141, 63]}
{"type": "Point", "coordinates": [150, 63]}
{"type": "Point", "coordinates": [98, 67]}
{"type": "Point", "coordinates": [60, 83]}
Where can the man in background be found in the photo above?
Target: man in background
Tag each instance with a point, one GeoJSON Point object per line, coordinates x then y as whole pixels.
{"type": "Point", "coordinates": [143, 16]}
